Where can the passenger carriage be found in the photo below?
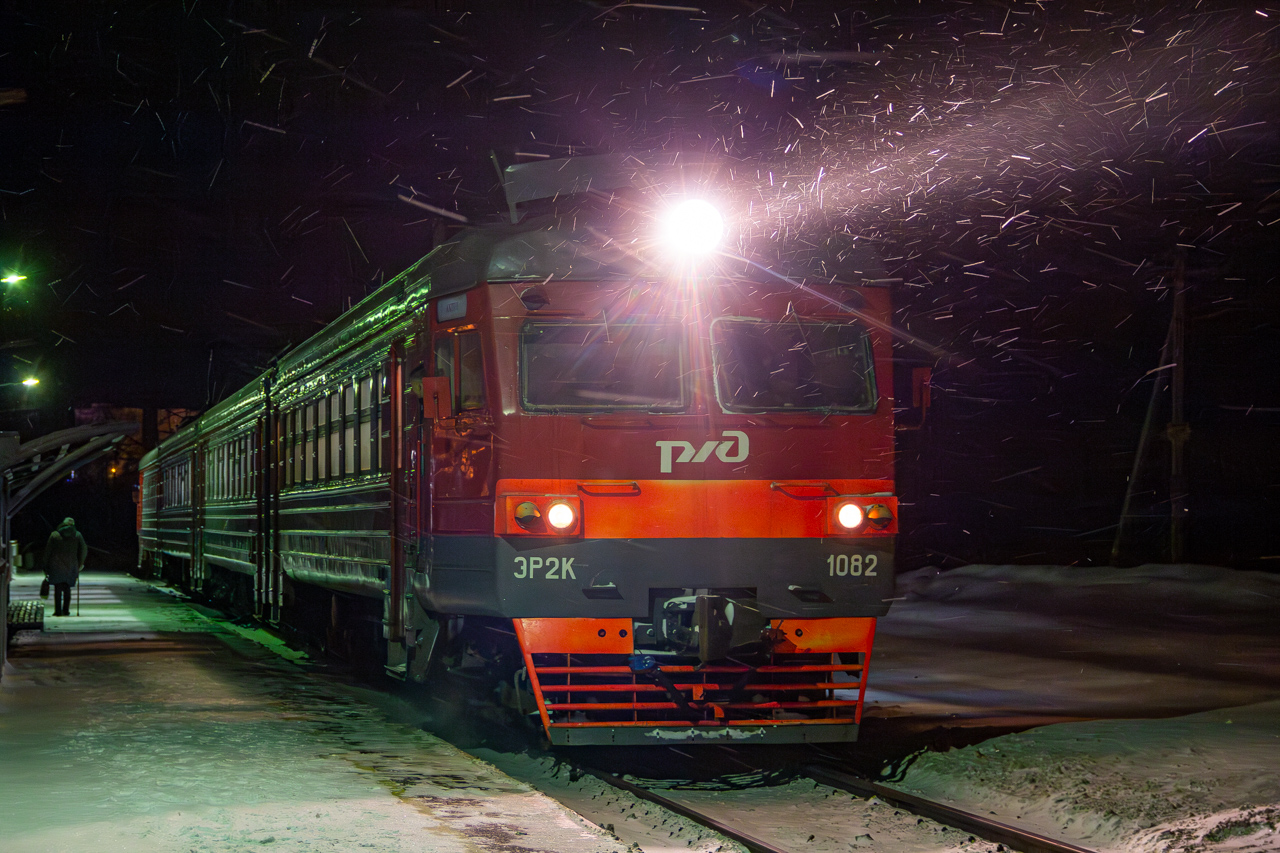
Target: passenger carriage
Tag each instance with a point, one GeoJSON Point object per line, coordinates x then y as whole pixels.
{"type": "Point", "coordinates": [653, 504]}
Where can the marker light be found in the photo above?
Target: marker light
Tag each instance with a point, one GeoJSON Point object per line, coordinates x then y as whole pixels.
{"type": "Point", "coordinates": [693, 227]}
{"type": "Point", "coordinates": [849, 516]}
{"type": "Point", "coordinates": [527, 514]}
{"type": "Point", "coordinates": [560, 516]}
{"type": "Point", "coordinates": [879, 516]}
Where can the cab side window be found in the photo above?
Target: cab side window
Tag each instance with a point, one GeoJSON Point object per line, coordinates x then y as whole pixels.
{"type": "Point", "coordinates": [470, 372]}
{"type": "Point", "coordinates": [444, 361]}
{"type": "Point", "coordinates": [458, 357]}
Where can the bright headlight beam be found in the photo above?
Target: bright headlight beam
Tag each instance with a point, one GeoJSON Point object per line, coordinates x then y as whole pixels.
{"type": "Point", "coordinates": [560, 516]}
{"type": "Point", "coordinates": [849, 515]}
{"type": "Point", "coordinates": [693, 228]}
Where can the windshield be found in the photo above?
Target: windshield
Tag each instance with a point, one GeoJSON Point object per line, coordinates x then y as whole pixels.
{"type": "Point", "coordinates": [793, 365]}
{"type": "Point", "coordinates": [602, 367]}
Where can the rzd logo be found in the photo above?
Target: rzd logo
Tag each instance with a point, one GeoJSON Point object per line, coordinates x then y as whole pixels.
{"type": "Point", "coordinates": [722, 450]}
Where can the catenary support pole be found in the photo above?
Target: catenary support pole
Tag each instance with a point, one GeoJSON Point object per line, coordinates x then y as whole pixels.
{"type": "Point", "coordinates": [1178, 430]}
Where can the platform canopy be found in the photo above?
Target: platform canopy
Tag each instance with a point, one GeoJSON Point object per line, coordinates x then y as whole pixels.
{"type": "Point", "coordinates": [27, 469]}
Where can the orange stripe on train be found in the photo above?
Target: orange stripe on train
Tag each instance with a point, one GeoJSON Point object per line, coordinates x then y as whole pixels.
{"type": "Point", "coordinates": [693, 509]}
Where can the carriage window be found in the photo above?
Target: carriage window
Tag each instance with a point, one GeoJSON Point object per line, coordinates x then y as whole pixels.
{"type": "Point", "coordinates": [367, 408]}
{"type": "Point", "coordinates": [792, 366]}
{"type": "Point", "coordinates": [309, 454]}
{"type": "Point", "coordinates": [379, 398]}
{"type": "Point", "coordinates": [335, 435]}
{"type": "Point", "coordinates": [349, 429]}
{"type": "Point", "coordinates": [299, 447]}
{"type": "Point", "coordinates": [322, 447]}
{"type": "Point", "coordinates": [602, 367]}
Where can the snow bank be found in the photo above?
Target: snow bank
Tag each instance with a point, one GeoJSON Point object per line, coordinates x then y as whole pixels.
{"type": "Point", "coordinates": [1206, 781]}
{"type": "Point", "coordinates": [1179, 589]}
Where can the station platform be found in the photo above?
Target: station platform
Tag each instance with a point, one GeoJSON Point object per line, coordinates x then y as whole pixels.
{"type": "Point", "coordinates": [140, 723]}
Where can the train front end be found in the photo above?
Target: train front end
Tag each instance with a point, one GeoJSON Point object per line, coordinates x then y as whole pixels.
{"type": "Point", "coordinates": [693, 505]}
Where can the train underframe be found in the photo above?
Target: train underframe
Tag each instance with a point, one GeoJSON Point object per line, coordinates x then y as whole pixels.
{"type": "Point", "coordinates": [706, 666]}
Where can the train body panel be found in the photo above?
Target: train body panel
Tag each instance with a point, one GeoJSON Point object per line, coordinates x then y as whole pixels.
{"type": "Point", "coordinates": [337, 538]}
{"type": "Point", "coordinates": [691, 472]}
{"type": "Point", "coordinates": [619, 578]}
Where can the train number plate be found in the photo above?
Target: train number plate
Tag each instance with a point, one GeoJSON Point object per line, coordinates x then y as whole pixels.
{"type": "Point", "coordinates": [852, 565]}
{"type": "Point", "coordinates": [545, 568]}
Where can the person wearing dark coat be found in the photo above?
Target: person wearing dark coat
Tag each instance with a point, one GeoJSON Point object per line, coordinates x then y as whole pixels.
{"type": "Point", "coordinates": [64, 557]}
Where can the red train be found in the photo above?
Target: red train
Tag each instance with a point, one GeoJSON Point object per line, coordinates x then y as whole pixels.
{"type": "Point", "coordinates": [650, 506]}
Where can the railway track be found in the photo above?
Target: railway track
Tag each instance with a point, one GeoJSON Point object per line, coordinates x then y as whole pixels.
{"type": "Point", "coordinates": [1014, 838]}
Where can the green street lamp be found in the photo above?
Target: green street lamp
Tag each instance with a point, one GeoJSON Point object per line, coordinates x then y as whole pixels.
{"type": "Point", "coordinates": [31, 382]}
{"type": "Point", "coordinates": [13, 278]}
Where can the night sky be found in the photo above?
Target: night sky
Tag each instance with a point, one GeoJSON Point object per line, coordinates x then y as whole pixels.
{"type": "Point", "coordinates": [192, 187]}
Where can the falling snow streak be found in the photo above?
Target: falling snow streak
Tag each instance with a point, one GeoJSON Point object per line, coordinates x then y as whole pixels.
{"type": "Point", "coordinates": [1024, 172]}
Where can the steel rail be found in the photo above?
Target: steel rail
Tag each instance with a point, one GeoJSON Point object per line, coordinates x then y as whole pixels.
{"type": "Point", "coordinates": [755, 845]}
{"type": "Point", "coordinates": [1000, 833]}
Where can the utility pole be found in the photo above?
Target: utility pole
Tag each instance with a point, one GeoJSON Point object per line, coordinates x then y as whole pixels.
{"type": "Point", "coordinates": [1178, 429]}
{"type": "Point", "coordinates": [1173, 371]}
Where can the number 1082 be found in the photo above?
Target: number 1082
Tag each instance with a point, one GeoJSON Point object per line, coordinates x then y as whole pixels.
{"type": "Point", "coordinates": [852, 565]}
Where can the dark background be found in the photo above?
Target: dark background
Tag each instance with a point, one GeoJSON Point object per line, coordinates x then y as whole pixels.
{"type": "Point", "coordinates": [192, 187]}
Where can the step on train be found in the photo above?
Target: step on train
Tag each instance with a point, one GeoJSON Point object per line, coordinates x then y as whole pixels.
{"type": "Point", "coordinates": [647, 493]}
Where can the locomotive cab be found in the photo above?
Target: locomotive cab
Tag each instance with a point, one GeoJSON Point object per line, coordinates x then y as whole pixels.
{"type": "Point", "coordinates": [680, 492]}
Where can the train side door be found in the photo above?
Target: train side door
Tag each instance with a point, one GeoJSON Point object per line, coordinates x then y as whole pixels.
{"type": "Point", "coordinates": [404, 429]}
{"type": "Point", "coordinates": [461, 444]}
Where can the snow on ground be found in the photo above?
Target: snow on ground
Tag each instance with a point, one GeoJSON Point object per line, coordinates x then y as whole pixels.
{"type": "Point", "coordinates": [153, 729]}
{"type": "Point", "coordinates": [1176, 669]}
{"type": "Point", "coordinates": [800, 815]}
{"type": "Point", "coordinates": [1042, 643]}
{"type": "Point", "coordinates": [1144, 646]}
{"type": "Point", "coordinates": [1150, 700]}
{"type": "Point", "coordinates": [635, 821]}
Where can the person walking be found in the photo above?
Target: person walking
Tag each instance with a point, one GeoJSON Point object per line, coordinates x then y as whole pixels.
{"type": "Point", "coordinates": [63, 560]}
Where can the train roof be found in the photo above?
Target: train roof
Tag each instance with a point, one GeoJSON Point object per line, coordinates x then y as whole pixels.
{"type": "Point", "coordinates": [540, 248]}
{"type": "Point", "coordinates": [571, 243]}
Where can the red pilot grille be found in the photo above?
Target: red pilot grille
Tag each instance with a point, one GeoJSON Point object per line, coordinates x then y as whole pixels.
{"type": "Point", "coordinates": [582, 675]}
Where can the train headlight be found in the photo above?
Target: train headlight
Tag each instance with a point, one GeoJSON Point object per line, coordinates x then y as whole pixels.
{"type": "Point", "coordinates": [692, 228]}
{"type": "Point", "coordinates": [561, 516]}
{"type": "Point", "coordinates": [850, 516]}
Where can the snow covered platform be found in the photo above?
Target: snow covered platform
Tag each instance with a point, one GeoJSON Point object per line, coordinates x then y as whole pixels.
{"type": "Point", "coordinates": [142, 725]}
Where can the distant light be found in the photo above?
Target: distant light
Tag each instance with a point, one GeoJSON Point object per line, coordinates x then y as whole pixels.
{"type": "Point", "coordinates": [13, 278]}
{"type": "Point", "coordinates": [693, 228]}
{"type": "Point", "coordinates": [31, 382]}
